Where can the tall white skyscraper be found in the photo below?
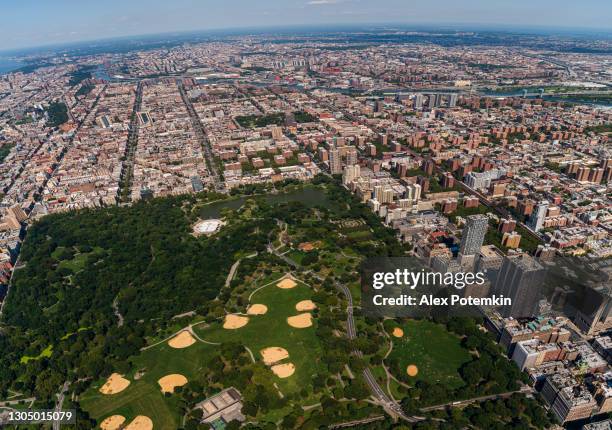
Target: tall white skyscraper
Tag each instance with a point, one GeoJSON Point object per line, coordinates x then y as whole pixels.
{"type": "Point", "coordinates": [536, 220]}
{"type": "Point", "coordinates": [473, 234]}
{"type": "Point", "coordinates": [413, 192]}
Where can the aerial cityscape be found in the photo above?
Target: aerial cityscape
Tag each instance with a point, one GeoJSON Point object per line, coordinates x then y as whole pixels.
{"type": "Point", "coordinates": [239, 229]}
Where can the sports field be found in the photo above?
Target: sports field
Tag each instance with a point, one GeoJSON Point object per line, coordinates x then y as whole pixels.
{"type": "Point", "coordinates": [144, 396]}
{"type": "Point", "coordinates": [436, 353]}
{"type": "Point", "coordinates": [272, 330]}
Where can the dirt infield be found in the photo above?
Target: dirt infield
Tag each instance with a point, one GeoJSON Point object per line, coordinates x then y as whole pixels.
{"type": "Point", "coordinates": [115, 383]}
{"type": "Point", "coordinates": [283, 370]}
{"type": "Point", "coordinates": [273, 354]}
{"type": "Point", "coordinates": [300, 321]}
{"type": "Point", "coordinates": [398, 332]}
{"type": "Point", "coordinates": [257, 309]}
{"type": "Point", "coordinates": [169, 382]}
{"type": "Point", "coordinates": [140, 423]}
{"type": "Point", "coordinates": [412, 370]}
{"type": "Point", "coordinates": [233, 322]}
{"type": "Point", "coordinates": [286, 284]}
{"type": "Point", "coordinates": [305, 305]}
{"type": "Point", "coordinates": [182, 340]}
{"type": "Point", "coordinates": [113, 422]}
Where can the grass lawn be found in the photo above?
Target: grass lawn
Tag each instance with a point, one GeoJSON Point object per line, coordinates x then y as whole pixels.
{"type": "Point", "coordinates": [143, 396]}
{"type": "Point", "coordinates": [296, 255]}
{"type": "Point", "coordinates": [77, 263]}
{"type": "Point", "coordinates": [436, 352]}
{"type": "Point", "coordinates": [360, 235]}
{"type": "Point", "coordinates": [45, 353]}
{"type": "Point", "coordinates": [271, 329]}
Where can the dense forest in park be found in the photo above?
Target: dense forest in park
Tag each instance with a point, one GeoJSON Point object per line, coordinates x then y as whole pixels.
{"type": "Point", "coordinates": [80, 270]}
{"type": "Point", "coordinates": [76, 265]}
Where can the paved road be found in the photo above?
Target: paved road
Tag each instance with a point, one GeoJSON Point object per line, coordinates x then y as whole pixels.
{"type": "Point", "coordinates": [60, 401]}
{"type": "Point", "coordinates": [16, 402]}
{"type": "Point", "coordinates": [203, 138]}
{"type": "Point", "coordinates": [357, 422]}
{"type": "Point", "coordinates": [524, 390]}
{"type": "Point", "coordinates": [127, 170]}
{"type": "Point", "coordinates": [116, 312]}
{"type": "Point", "coordinates": [388, 404]}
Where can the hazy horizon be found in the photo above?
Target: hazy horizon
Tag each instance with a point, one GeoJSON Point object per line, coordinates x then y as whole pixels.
{"type": "Point", "coordinates": [32, 24]}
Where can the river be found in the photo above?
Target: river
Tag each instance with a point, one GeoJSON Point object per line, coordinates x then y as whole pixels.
{"type": "Point", "coordinates": [7, 65]}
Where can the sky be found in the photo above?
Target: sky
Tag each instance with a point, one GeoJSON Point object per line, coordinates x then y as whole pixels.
{"type": "Point", "coordinates": [27, 23]}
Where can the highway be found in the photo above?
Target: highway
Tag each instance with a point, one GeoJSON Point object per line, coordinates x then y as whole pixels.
{"type": "Point", "coordinates": [60, 401]}
{"type": "Point", "coordinates": [378, 393]}
{"type": "Point", "coordinates": [388, 404]}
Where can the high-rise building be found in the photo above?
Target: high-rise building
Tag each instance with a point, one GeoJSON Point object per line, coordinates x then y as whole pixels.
{"type": "Point", "coordinates": [583, 174]}
{"type": "Point", "coordinates": [594, 313]}
{"type": "Point", "coordinates": [383, 194]}
{"type": "Point", "coordinates": [351, 156]}
{"type": "Point", "coordinates": [536, 220]}
{"type": "Point", "coordinates": [526, 206]}
{"type": "Point", "coordinates": [489, 261]}
{"type": "Point", "coordinates": [520, 279]}
{"type": "Point", "coordinates": [388, 195]}
{"type": "Point", "coordinates": [507, 225]}
{"type": "Point", "coordinates": [448, 180]}
{"type": "Point", "coordinates": [413, 192]}
{"type": "Point", "coordinates": [335, 162]}
{"type": "Point", "coordinates": [596, 175]}
{"type": "Point", "coordinates": [482, 180]}
{"type": "Point", "coordinates": [418, 101]}
{"type": "Point", "coordinates": [473, 234]}
{"type": "Point", "coordinates": [351, 173]}
{"type": "Point", "coordinates": [423, 181]}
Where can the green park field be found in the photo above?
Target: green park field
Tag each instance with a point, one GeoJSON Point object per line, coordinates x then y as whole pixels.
{"type": "Point", "coordinates": [271, 329]}
{"type": "Point", "coordinates": [437, 353]}
{"type": "Point", "coordinates": [143, 396]}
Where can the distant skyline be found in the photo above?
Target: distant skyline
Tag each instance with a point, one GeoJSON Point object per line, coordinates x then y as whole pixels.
{"type": "Point", "coordinates": [32, 23]}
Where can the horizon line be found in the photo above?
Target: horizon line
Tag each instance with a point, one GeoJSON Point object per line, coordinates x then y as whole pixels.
{"type": "Point", "coordinates": [492, 27]}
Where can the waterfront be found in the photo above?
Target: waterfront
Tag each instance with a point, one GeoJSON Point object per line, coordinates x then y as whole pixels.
{"type": "Point", "coordinates": [8, 65]}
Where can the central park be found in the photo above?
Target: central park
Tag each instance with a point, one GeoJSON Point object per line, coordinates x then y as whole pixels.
{"type": "Point", "coordinates": [142, 320]}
